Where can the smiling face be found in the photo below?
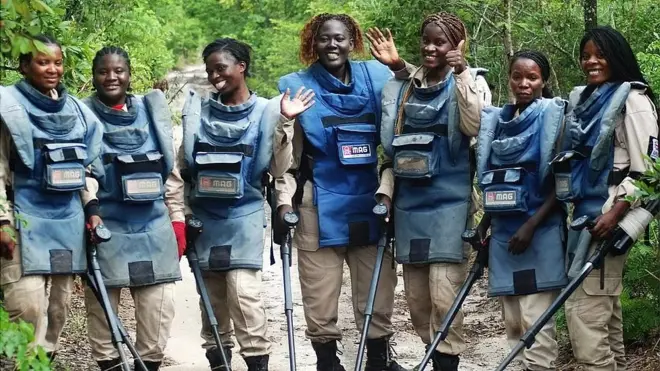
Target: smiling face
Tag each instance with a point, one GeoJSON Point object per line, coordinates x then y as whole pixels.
{"type": "Point", "coordinates": [112, 77]}
{"type": "Point", "coordinates": [44, 71]}
{"type": "Point", "coordinates": [224, 72]}
{"type": "Point", "coordinates": [333, 44]}
{"type": "Point", "coordinates": [594, 65]}
{"type": "Point", "coordinates": [434, 46]}
{"type": "Point", "coordinates": [526, 80]}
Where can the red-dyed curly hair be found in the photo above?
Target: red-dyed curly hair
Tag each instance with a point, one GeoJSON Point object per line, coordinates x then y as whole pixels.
{"type": "Point", "coordinates": [308, 34]}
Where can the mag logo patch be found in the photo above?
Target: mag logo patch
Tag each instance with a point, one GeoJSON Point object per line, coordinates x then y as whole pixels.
{"type": "Point", "coordinates": [501, 198]}
{"type": "Point", "coordinates": [356, 150]}
{"type": "Point", "coordinates": [217, 184]}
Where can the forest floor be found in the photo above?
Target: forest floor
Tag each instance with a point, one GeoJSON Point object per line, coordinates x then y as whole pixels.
{"type": "Point", "coordinates": [484, 331]}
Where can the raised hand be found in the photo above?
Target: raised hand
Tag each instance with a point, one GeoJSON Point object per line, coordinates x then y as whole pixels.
{"type": "Point", "coordinates": [291, 108]}
{"type": "Point", "coordinates": [382, 47]}
{"type": "Point", "coordinates": [456, 59]}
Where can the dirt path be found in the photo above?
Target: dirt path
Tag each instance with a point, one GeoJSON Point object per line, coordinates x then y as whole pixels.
{"type": "Point", "coordinates": [487, 344]}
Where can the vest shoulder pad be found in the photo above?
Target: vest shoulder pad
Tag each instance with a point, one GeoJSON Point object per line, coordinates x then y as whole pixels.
{"type": "Point", "coordinates": [637, 85]}
{"type": "Point", "coordinates": [291, 81]}
{"type": "Point", "coordinates": [478, 72]}
{"type": "Point", "coordinates": [15, 118]}
{"type": "Point", "coordinates": [156, 104]}
{"type": "Point", "coordinates": [574, 96]}
{"type": "Point", "coordinates": [378, 69]}
{"type": "Point", "coordinates": [489, 119]}
{"type": "Point", "coordinates": [93, 130]}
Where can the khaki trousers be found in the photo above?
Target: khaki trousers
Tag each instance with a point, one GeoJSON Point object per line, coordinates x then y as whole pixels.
{"type": "Point", "coordinates": [321, 273]}
{"type": "Point", "coordinates": [430, 291]}
{"type": "Point", "coordinates": [27, 299]}
{"type": "Point", "coordinates": [236, 298]}
{"type": "Point", "coordinates": [594, 318]}
{"type": "Point", "coordinates": [519, 314]}
{"type": "Point", "coordinates": [154, 313]}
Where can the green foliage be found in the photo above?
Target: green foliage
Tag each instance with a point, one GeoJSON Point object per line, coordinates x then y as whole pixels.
{"type": "Point", "coordinates": [16, 344]}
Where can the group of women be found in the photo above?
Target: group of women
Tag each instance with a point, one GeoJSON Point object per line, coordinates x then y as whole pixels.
{"type": "Point", "coordinates": [110, 159]}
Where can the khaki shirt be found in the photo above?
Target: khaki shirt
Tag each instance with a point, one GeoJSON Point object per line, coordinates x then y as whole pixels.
{"type": "Point", "coordinates": [472, 96]}
{"type": "Point", "coordinates": [631, 142]}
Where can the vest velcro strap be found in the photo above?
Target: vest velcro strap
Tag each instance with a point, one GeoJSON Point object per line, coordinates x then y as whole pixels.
{"type": "Point", "coordinates": [617, 176]}
{"type": "Point", "coordinates": [108, 158]}
{"type": "Point", "coordinates": [245, 149]}
{"type": "Point", "coordinates": [438, 129]}
{"type": "Point", "coordinates": [369, 118]}
{"type": "Point", "coordinates": [41, 142]}
{"type": "Point", "coordinates": [529, 166]}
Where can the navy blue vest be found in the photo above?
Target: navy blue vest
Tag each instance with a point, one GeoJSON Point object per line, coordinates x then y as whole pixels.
{"type": "Point", "coordinates": [341, 136]}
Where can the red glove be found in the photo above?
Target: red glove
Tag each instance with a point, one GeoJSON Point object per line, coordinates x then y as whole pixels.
{"type": "Point", "coordinates": [180, 233]}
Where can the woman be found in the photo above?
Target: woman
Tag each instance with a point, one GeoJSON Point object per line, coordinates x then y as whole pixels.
{"type": "Point", "coordinates": [612, 123]}
{"type": "Point", "coordinates": [224, 157]}
{"type": "Point", "coordinates": [136, 160]}
{"type": "Point", "coordinates": [428, 120]}
{"type": "Point", "coordinates": [331, 148]}
{"type": "Point", "coordinates": [47, 139]}
{"type": "Point", "coordinates": [526, 251]}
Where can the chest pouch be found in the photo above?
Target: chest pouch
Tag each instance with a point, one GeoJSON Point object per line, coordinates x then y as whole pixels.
{"type": "Point", "coordinates": [415, 156]}
{"type": "Point", "coordinates": [356, 144]}
{"type": "Point", "coordinates": [63, 166]}
{"type": "Point", "coordinates": [568, 170]}
{"type": "Point", "coordinates": [219, 175]}
{"type": "Point", "coordinates": [141, 177]}
{"type": "Point", "coordinates": [504, 191]}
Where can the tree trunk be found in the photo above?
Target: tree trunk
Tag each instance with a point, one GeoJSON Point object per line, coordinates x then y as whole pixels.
{"type": "Point", "coordinates": [590, 14]}
{"type": "Point", "coordinates": [508, 41]}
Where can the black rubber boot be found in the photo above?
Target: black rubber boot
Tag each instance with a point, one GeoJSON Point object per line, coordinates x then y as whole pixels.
{"type": "Point", "coordinates": [151, 366]}
{"type": "Point", "coordinates": [379, 356]}
{"type": "Point", "coordinates": [326, 356]}
{"type": "Point", "coordinates": [445, 362]}
{"type": "Point", "coordinates": [257, 363]}
{"type": "Point", "coordinates": [215, 359]}
{"type": "Point", "coordinates": [109, 365]}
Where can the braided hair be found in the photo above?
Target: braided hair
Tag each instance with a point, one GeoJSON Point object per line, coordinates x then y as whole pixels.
{"type": "Point", "coordinates": [310, 30]}
{"type": "Point", "coordinates": [544, 65]}
{"type": "Point", "coordinates": [241, 51]}
{"type": "Point", "coordinates": [110, 50]}
{"type": "Point", "coordinates": [46, 39]}
{"type": "Point", "coordinates": [453, 27]}
{"type": "Point", "coordinates": [618, 54]}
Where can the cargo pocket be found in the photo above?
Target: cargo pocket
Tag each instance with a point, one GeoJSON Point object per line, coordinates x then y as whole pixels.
{"type": "Point", "coordinates": [220, 175]}
{"type": "Point", "coordinates": [63, 167]}
{"type": "Point", "coordinates": [504, 191]}
{"type": "Point", "coordinates": [567, 168]}
{"type": "Point", "coordinates": [415, 156]}
{"type": "Point", "coordinates": [356, 144]}
{"type": "Point", "coordinates": [141, 177]}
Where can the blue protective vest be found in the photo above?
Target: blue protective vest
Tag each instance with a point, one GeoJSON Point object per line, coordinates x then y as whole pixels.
{"type": "Point", "coordinates": [339, 156]}
{"type": "Point", "coordinates": [54, 141]}
{"type": "Point", "coordinates": [432, 169]}
{"type": "Point", "coordinates": [513, 157]}
{"type": "Point", "coordinates": [136, 159]}
{"type": "Point", "coordinates": [583, 170]}
{"type": "Point", "coordinates": [227, 149]}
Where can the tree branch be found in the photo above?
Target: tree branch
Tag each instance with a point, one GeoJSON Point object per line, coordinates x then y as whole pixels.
{"type": "Point", "coordinates": [8, 68]}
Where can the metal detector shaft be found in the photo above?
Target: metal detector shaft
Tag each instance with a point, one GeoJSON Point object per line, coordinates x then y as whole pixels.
{"type": "Point", "coordinates": [91, 282]}
{"type": "Point", "coordinates": [375, 277]}
{"type": "Point", "coordinates": [193, 261]}
{"type": "Point", "coordinates": [285, 250]}
{"type": "Point", "coordinates": [528, 338]}
{"type": "Point", "coordinates": [193, 230]}
{"type": "Point", "coordinates": [476, 272]}
{"type": "Point", "coordinates": [107, 308]}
